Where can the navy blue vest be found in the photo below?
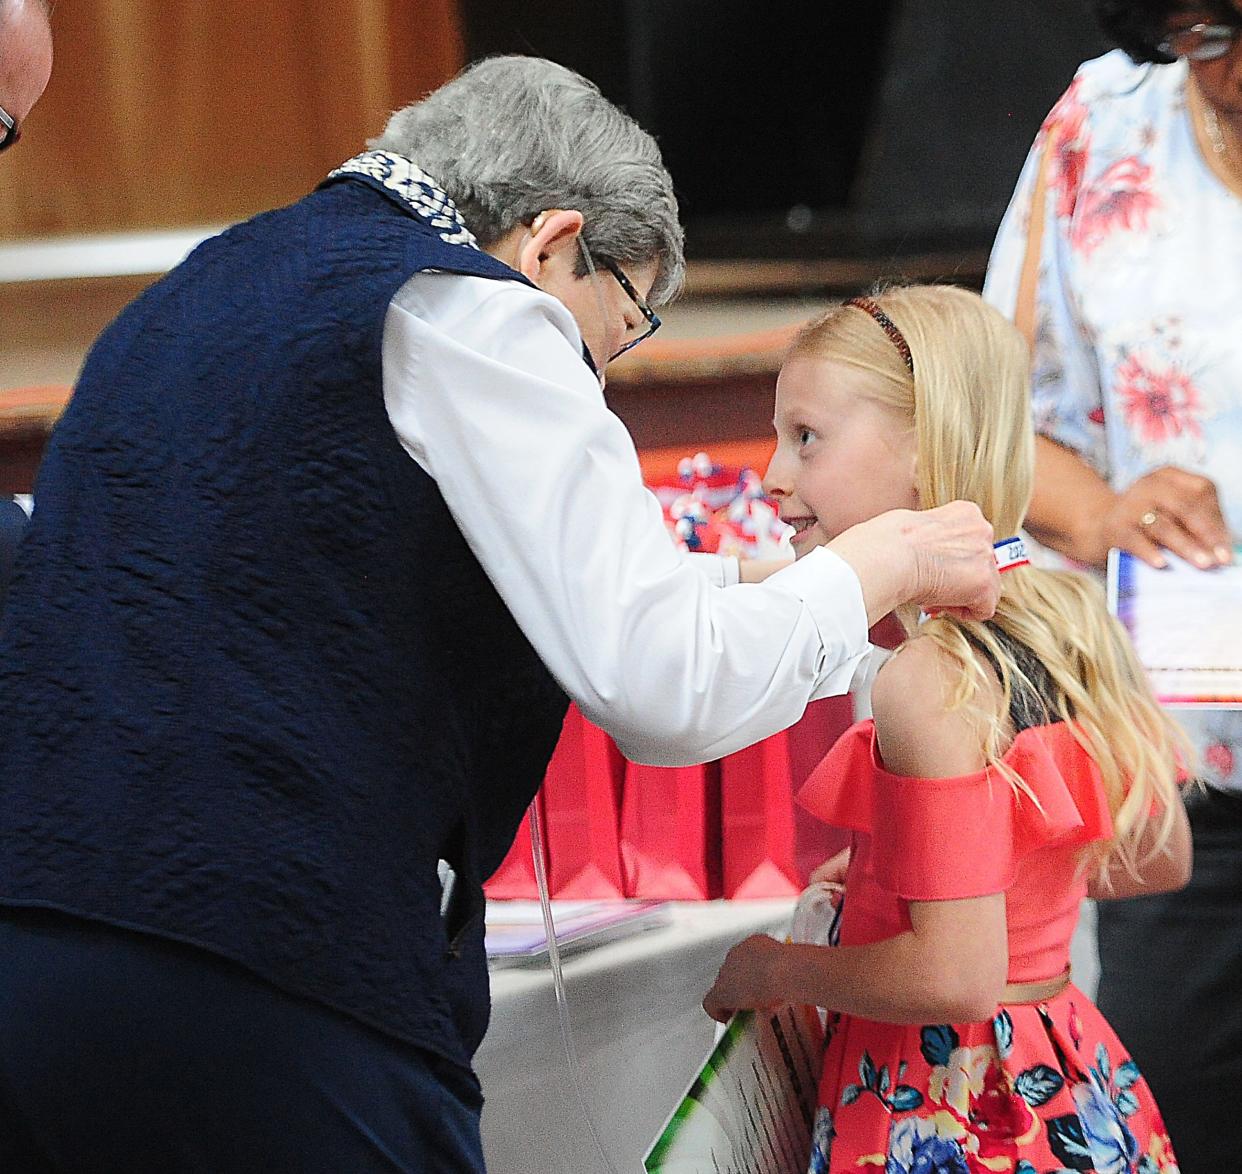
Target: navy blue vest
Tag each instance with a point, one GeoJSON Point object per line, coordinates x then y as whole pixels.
{"type": "Point", "coordinates": [253, 683]}
{"type": "Point", "coordinates": [12, 526]}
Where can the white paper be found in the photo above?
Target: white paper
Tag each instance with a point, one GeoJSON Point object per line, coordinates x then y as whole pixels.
{"type": "Point", "coordinates": [1186, 625]}
{"type": "Point", "coordinates": [515, 931]}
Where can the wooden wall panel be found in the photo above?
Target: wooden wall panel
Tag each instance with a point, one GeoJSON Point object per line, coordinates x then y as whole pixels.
{"type": "Point", "coordinates": [164, 113]}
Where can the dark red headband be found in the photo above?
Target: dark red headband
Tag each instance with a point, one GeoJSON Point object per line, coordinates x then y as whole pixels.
{"type": "Point", "coordinates": [870, 306]}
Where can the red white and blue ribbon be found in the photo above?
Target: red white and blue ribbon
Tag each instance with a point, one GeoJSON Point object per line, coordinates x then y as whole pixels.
{"type": "Point", "coordinates": [1010, 553]}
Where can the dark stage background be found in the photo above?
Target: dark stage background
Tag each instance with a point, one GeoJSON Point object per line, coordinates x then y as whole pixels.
{"type": "Point", "coordinates": [799, 129]}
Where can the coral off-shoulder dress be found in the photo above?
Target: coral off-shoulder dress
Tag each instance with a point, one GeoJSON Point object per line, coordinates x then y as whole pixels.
{"type": "Point", "coordinates": [1044, 1086]}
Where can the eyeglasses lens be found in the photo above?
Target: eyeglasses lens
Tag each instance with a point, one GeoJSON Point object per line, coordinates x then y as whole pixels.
{"type": "Point", "coordinates": [1202, 42]}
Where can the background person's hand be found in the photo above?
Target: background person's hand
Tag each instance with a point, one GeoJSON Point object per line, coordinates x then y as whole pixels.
{"type": "Point", "coordinates": [1173, 509]}
{"type": "Point", "coordinates": [941, 560]}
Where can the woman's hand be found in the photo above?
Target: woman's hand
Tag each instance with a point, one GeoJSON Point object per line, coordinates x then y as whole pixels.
{"type": "Point", "coordinates": [748, 979]}
{"type": "Point", "coordinates": [940, 559]}
{"type": "Point", "coordinates": [1168, 508]}
{"type": "Point", "coordinates": [1075, 511]}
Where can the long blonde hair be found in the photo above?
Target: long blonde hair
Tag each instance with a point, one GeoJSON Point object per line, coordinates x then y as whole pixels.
{"type": "Point", "coordinates": [969, 401]}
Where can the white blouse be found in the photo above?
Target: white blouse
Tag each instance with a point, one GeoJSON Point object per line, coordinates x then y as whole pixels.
{"type": "Point", "coordinates": [1138, 309]}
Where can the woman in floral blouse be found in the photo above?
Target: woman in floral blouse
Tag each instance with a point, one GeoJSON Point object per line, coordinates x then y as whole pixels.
{"type": "Point", "coordinates": [1121, 256]}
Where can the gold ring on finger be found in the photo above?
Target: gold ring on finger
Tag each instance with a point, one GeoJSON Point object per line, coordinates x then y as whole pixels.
{"type": "Point", "coordinates": [1149, 518]}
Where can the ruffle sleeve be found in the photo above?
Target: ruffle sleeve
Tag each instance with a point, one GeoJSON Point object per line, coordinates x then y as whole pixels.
{"type": "Point", "coordinates": [951, 838]}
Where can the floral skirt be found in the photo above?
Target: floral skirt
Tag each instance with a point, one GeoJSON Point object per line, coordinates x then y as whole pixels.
{"type": "Point", "coordinates": [1041, 1089]}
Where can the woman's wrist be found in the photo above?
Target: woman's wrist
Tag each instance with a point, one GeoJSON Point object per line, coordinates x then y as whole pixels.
{"type": "Point", "coordinates": [1089, 542]}
{"type": "Point", "coordinates": [887, 573]}
{"type": "Point", "coordinates": [1080, 535]}
{"type": "Point", "coordinates": [1070, 503]}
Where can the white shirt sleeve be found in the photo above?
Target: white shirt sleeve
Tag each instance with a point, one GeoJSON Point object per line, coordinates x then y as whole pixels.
{"type": "Point", "coordinates": [485, 386]}
{"type": "Point", "coordinates": [721, 569]}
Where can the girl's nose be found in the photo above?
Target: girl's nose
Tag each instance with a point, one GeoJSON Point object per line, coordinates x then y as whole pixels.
{"type": "Point", "coordinates": [773, 483]}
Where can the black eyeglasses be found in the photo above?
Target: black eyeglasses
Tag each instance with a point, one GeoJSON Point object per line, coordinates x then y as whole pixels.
{"type": "Point", "coordinates": [653, 319]}
{"type": "Point", "coordinates": [1201, 42]}
{"type": "Point", "coordinates": [10, 131]}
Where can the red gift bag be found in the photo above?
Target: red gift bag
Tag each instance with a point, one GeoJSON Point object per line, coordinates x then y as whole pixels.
{"type": "Point", "coordinates": [809, 740]}
{"type": "Point", "coordinates": [670, 832]}
{"type": "Point", "coordinates": [582, 801]}
{"type": "Point", "coordinates": [757, 821]}
{"type": "Point", "coordinates": [769, 844]}
{"type": "Point", "coordinates": [515, 878]}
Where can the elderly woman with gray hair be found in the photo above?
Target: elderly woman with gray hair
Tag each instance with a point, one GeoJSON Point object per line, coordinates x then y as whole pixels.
{"type": "Point", "coordinates": [335, 525]}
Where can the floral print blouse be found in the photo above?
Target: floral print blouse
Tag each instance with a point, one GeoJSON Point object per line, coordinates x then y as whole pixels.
{"type": "Point", "coordinates": [1138, 305]}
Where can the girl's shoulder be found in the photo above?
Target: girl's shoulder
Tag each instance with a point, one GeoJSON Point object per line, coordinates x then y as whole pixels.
{"type": "Point", "coordinates": [917, 774]}
{"type": "Point", "coordinates": [920, 731]}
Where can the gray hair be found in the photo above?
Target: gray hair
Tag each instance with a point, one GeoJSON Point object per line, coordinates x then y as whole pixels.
{"type": "Point", "coordinates": [511, 137]}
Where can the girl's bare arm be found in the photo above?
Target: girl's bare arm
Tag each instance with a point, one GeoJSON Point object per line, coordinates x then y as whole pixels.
{"type": "Point", "coordinates": [951, 966]}
{"type": "Point", "coordinates": [1158, 871]}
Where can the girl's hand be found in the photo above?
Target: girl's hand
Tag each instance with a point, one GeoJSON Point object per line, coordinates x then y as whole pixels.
{"type": "Point", "coordinates": [755, 570]}
{"type": "Point", "coordinates": [747, 980]}
{"type": "Point", "coordinates": [833, 870]}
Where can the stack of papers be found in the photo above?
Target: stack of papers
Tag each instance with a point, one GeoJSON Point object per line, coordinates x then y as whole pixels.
{"type": "Point", "coordinates": [515, 931]}
{"type": "Point", "coordinates": [1186, 625]}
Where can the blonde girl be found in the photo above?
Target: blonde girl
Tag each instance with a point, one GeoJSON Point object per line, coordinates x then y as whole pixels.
{"type": "Point", "coordinates": [1011, 768]}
